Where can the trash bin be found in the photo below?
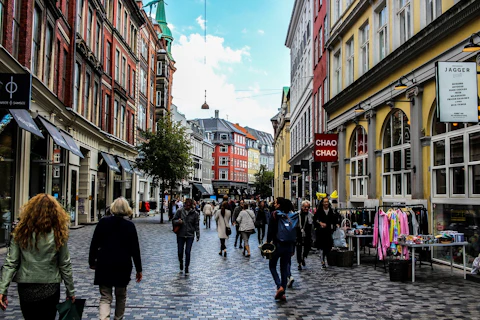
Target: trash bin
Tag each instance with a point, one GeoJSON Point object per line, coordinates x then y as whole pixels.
{"type": "Point", "coordinates": [398, 270]}
{"type": "Point", "coordinates": [344, 258]}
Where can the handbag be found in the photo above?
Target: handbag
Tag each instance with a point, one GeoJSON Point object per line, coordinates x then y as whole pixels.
{"type": "Point", "coordinates": [228, 230]}
{"type": "Point", "coordinates": [69, 310]}
{"type": "Point", "coordinates": [176, 229]}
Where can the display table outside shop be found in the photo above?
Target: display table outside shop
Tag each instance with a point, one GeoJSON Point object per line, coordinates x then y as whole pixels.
{"type": "Point", "coordinates": [426, 245]}
{"type": "Point", "coordinates": [350, 245]}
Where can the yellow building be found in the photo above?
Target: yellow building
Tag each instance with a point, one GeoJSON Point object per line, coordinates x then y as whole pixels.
{"type": "Point", "coordinates": [392, 146]}
{"type": "Point", "coordinates": [281, 125]}
{"type": "Point", "coordinates": [253, 161]}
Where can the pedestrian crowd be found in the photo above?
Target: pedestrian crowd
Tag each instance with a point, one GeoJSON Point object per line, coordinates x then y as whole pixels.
{"type": "Point", "coordinates": [38, 258]}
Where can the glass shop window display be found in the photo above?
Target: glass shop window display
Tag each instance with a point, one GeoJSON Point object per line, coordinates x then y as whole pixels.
{"type": "Point", "coordinates": [463, 219]}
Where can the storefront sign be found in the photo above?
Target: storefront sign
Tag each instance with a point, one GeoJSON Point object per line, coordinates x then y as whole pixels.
{"type": "Point", "coordinates": [457, 96]}
{"type": "Point", "coordinates": [223, 191]}
{"type": "Point", "coordinates": [326, 147]}
{"type": "Point", "coordinates": [15, 90]}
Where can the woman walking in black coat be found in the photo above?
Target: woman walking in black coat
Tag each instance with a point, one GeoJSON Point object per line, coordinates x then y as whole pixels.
{"type": "Point", "coordinates": [114, 245]}
{"type": "Point", "coordinates": [324, 222]}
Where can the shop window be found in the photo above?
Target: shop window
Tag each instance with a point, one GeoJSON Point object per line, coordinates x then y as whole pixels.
{"type": "Point", "coordinates": [358, 163]}
{"type": "Point", "coordinates": [397, 167]}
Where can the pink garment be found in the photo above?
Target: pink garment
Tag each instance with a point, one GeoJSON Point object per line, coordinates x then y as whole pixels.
{"type": "Point", "coordinates": [375, 230]}
{"type": "Point", "coordinates": [384, 235]}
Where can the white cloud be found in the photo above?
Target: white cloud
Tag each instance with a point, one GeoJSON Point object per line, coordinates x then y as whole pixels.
{"type": "Point", "coordinates": [171, 26]}
{"type": "Point", "coordinates": [244, 31]}
{"type": "Point", "coordinates": [261, 32]}
{"type": "Point", "coordinates": [193, 77]}
{"type": "Point", "coordinates": [201, 22]}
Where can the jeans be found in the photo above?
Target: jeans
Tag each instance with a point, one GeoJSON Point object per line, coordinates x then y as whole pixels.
{"type": "Point", "coordinates": [208, 221]}
{"type": "Point", "coordinates": [106, 298]}
{"type": "Point", "coordinates": [181, 242]}
{"type": "Point", "coordinates": [237, 234]}
{"type": "Point", "coordinates": [261, 233]}
{"type": "Point", "coordinates": [284, 253]}
{"type": "Point", "coordinates": [42, 309]}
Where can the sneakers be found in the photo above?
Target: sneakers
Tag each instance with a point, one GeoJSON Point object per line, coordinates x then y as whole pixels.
{"type": "Point", "coordinates": [260, 245]}
{"type": "Point", "coordinates": [240, 247]}
{"type": "Point", "coordinates": [324, 266]}
{"type": "Point", "coordinates": [186, 271]}
{"type": "Point", "coordinates": [220, 253]}
{"type": "Point", "coordinates": [283, 298]}
{"type": "Point", "coordinates": [290, 282]}
{"type": "Point", "coordinates": [280, 292]}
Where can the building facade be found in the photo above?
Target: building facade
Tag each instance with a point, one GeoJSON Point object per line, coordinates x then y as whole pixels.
{"type": "Point", "coordinates": [281, 127]}
{"type": "Point", "coordinates": [392, 146]}
{"type": "Point", "coordinates": [265, 146]}
{"type": "Point", "coordinates": [299, 40]}
{"type": "Point", "coordinates": [253, 154]}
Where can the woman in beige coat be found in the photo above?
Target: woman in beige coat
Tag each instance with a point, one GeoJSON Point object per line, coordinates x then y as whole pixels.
{"type": "Point", "coordinates": [222, 217]}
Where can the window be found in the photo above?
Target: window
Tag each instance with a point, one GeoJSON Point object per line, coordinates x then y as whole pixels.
{"type": "Point", "coordinates": [86, 102]}
{"type": "Point", "coordinates": [364, 51]}
{"type": "Point", "coordinates": [150, 117]}
{"type": "Point", "coordinates": [48, 54]}
{"type": "Point", "coordinates": [223, 174]}
{"type": "Point", "coordinates": [119, 15]}
{"type": "Point", "coordinates": [76, 93]}
{"type": "Point", "coordinates": [115, 117]}
{"type": "Point", "coordinates": [124, 67]}
{"type": "Point", "coordinates": [143, 82]}
{"type": "Point", "coordinates": [350, 63]}
{"type": "Point", "coordinates": [37, 31]}
{"type": "Point", "coordinates": [358, 163]}
{"type": "Point", "coordinates": [433, 9]}
{"type": "Point", "coordinates": [151, 90]}
{"type": "Point", "coordinates": [108, 59]}
{"type": "Point", "coordinates": [2, 11]}
{"type": "Point", "coordinates": [79, 17]}
{"type": "Point", "coordinates": [337, 65]}
{"type": "Point", "coordinates": [129, 80]}
{"type": "Point", "coordinates": [142, 117]}
{"type": "Point", "coordinates": [106, 122]}
{"type": "Point", "coordinates": [159, 68]}
{"type": "Point", "coordinates": [89, 27]}
{"type": "Point", "coordinates": [315, 58]}
{"type": "Point", "coordinates": [117, 66]}
{"type": "Point", "coordinates": [97, 41]}
{"type": "Point", "coordinates": [158, 98]}
{"type": "Point", "coordinates": [404, 20]}
{"type": "Point", "coordinates": [223, 136]}
{"type": "Point", "coordinates": [382, 18]}
{"type": "Point", "coordinates": [125, 18]}
{"type": "Point", "coordinates": [16, 28]}
{"type": "Point", "coordinates": [396, 156]}
{"type": "Point", "coordinates": [134, 81]}
{"type": "Point", "coordinates": [94, 114]}
{"type": "Point", "coordinates": [122, 123]}
{"type": "Point", "coordinates": [64, 72]}
{"type": "Point", "coordinates": [337, 10]}
{"type": "Point", "coordinates": [325, 29]}
{"type": "Point", "coordinates": [320, 43]}
{"type": "Point", "coordinates": [223, 161]}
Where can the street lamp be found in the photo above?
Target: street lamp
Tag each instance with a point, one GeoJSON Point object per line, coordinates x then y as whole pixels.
{"type": "Point", "coordinates": [471, 46]}
{"type": "Point", "coordinates": [205, 106]}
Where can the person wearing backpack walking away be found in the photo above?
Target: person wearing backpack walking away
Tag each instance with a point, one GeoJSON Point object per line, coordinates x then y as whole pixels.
{"type": "Point", "coordinates": [222, 217]}
{"type": "Point", "coordinates": [261, 221]}
{"type": "Point", "coordinates": [208, 212]}
{"type": "Point", "coordinates": [246, 226]}
{"type": "Point", "coordinates": [189, 221]}
{"type": "Point", "coordinates": [324, 224]}
{"type": "Point", "coordinates": [236, 212]}
{"type": "Point", "coordinates": [304, 233]}
{"type": "Point", "coordinates": [282, 233]}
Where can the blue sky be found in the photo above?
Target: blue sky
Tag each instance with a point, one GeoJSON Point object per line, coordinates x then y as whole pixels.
{"type": "Point", "coordinates": [245, 51]}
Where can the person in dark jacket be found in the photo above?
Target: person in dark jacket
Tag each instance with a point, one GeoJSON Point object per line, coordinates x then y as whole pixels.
{"type": "Point", "coordinates": [304, 233]}
{"type": "Point", "coordinates": [114, 245]}
{"type": "Point", "coordinates": [283, 250]}
{"type": "Point", "coordinates": [189, 220]}
{"type": "Point", "coordinates": [261, 221]}
{"type": "Point", "coordinates": [324, 222]}
{"type": "Point", "coordinates": [236, 212]}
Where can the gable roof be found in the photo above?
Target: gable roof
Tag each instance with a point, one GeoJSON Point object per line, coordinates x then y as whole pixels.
{"type": "Point", "coordinates": [249, 136]}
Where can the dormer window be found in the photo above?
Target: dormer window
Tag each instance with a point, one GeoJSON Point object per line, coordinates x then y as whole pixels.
{"type": "Point", "coordinates": [223, 136]}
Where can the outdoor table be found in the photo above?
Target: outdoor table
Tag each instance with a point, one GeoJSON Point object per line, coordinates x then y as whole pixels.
{"type": "Point", "coordinates": [350, 236]}
{"type": "Point", "coordinates": [426, 245]}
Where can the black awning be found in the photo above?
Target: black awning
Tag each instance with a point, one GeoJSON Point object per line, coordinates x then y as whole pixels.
{"type": "Point", "coordinates": [25, 121]}
{"type": "Point", "coordinates": [126, 166]}
{"type": "Point", "coordinates": [71, 143]}
{"type": "Point", "coordinates": [54, 133]}
{"type": "Point", "coordinates": [135, 169]}
{"type": "Point", "coordinates": [110, 160]}
{"type": "Point", "coordinates": [201, 189]}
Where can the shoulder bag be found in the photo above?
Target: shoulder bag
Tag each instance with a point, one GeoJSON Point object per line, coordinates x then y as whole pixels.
{"type": "Point", "coordinates": [228, 230]}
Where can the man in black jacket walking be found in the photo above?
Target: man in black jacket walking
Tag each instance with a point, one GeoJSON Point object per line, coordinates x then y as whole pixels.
{"type": "Point", "coordinates": [189, 221]}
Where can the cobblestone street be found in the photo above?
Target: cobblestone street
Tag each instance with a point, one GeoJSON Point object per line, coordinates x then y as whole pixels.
{"type": "Point", "coordinates": [242, 288]}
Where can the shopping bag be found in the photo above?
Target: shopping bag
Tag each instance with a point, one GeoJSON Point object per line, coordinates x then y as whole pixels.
{"type": "Point", "coordinates": [339, 238]}
{"type": "Point", "coordinates": [71, 311]}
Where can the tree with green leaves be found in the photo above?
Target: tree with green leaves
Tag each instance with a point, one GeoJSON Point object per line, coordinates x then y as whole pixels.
{"type": "Point", "coordinates": [263, 182]}
{"type": "Point", "coordinates": [165, 156]}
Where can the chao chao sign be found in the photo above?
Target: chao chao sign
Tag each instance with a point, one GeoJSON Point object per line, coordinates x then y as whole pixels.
{"type": "Point", "coordinates": [326, 147]}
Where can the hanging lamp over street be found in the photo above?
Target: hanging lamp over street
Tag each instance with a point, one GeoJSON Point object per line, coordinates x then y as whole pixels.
{"type": "Point", "coordinates": [205, 105]}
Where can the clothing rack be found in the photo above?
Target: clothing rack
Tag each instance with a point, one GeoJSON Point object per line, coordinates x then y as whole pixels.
{"type": "Point", "coordinates": [354, 210]}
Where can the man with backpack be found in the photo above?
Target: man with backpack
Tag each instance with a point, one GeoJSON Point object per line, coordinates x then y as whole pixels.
{"type": "Point", "coordinates": [283, 234]}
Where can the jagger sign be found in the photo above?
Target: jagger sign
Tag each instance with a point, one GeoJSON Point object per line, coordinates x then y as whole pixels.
{"type": "Point", "coordinates": [326, 147]}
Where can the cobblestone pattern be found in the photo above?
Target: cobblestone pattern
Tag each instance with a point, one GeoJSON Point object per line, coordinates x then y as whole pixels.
{"type": "Point", "coordinates": [237, 287]}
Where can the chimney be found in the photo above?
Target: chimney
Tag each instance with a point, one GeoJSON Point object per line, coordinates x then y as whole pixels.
{"type": "Point", "coordinates": [216, 114]}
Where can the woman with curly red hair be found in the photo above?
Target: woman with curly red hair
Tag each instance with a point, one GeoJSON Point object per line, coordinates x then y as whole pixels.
{"type": "Point", "coordinates": [38, 258]}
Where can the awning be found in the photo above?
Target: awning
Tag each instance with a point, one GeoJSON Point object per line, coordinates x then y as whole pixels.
{"type": "Point", "coordinates": [201, 189]}
{"type": "Point", "coordinates": [25, 121]}
{"type": "Point", "coordinates": [126, 166]}
{"type": "Point", "coordinates": [110, 160]}
{"type": "Point", "coordinates": [71, 143]}
{"type": "Point", "coordinates": [135, 169]}
{"type": "Point", "coordinates": [208, 187]}
{"type": "Point", "coordinates": [54, 133]}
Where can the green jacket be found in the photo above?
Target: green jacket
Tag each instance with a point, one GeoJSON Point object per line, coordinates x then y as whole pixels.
{"type": "Point", "coordinates": [45, 265]}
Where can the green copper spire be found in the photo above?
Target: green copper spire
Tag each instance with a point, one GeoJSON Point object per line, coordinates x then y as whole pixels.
{"type": "Point", "coordinates": [161, 18]}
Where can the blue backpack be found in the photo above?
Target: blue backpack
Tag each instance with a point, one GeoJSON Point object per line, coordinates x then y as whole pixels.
{"type": "Point", "coordinates": [287, 224]}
